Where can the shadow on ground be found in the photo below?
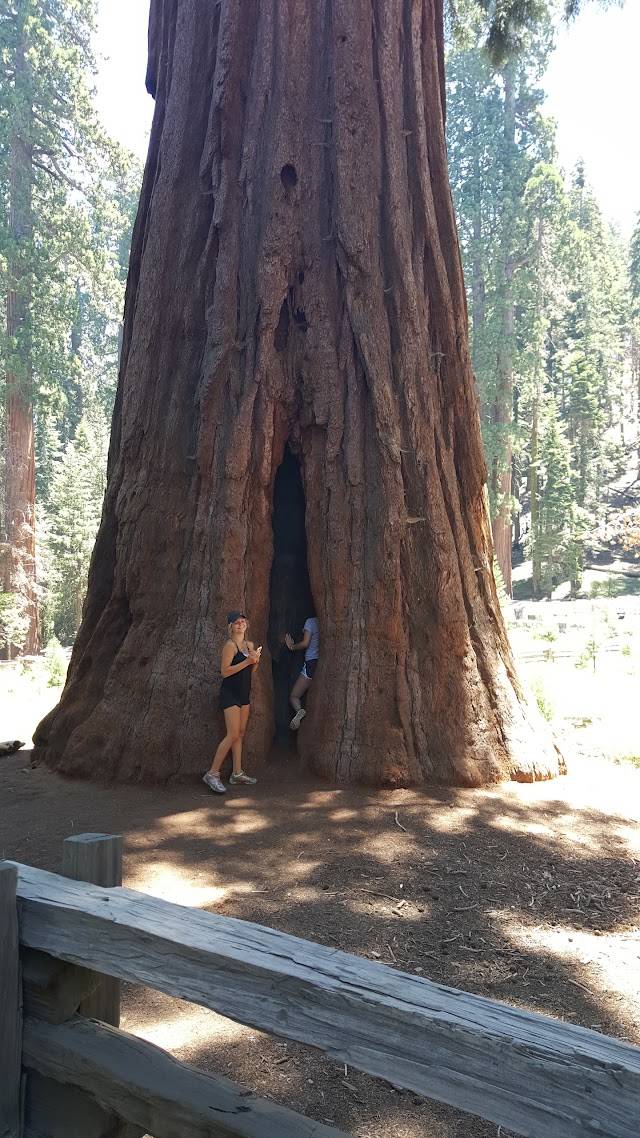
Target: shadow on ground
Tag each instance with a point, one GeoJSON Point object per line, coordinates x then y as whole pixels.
{"type": "Point", "coordinates": [528, 895]}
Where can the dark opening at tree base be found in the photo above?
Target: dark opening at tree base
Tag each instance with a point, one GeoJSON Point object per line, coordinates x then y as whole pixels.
{"type": "Point", "coordinates": [290, 599]}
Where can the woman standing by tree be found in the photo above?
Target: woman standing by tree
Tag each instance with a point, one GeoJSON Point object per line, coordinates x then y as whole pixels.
{"type": "Point", "coordinates": [238, 663]}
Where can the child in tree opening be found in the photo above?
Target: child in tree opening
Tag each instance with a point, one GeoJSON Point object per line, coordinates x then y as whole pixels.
{"type": "Point", "coordinates": [310, 642]}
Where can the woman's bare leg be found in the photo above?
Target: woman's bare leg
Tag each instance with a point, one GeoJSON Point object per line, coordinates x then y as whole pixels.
{"type": "Point", "coordinates": [236, 747]}
{"type": "Point", "coordinates": [298, 689]}
{"type": "Point", "coordinates": [232, 723]}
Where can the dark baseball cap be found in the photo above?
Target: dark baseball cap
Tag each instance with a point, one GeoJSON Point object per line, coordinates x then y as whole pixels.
{"type": "Point", "coordinates": [235, 615]}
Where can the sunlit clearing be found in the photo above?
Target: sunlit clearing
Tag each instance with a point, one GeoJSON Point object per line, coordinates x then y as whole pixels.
{"type": "Point", "coordinates": [161, 879]}
{"type": "Point", "coordinates": [455, 821]}
{"type": "Point", "coordinates": [601, 966]}
{"type": "Point", "coordinates": [572, 824]}
{"type": "Point", "coordinates": [402, 1127]}
{"type": "Point", "coordinates": [193, 822]}
{"type": "Point", "coordinates": [193, 1028]}
{"type": "Point", "coordinates": [246, 819]}
{"type": "Point", "coordinates": [517, 825]}
{"type": "Point", "coordinates": [589, 784]}
{"type": "Point", "coordinates": [199, 823]}
{"type": "Point", "coordinates": [305, 865]}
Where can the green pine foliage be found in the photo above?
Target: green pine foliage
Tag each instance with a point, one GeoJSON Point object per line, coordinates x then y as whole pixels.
{"type": "Point", "coordinates": [13, 623]}
{"type": "Point", "coordinates": [497, 138]}
{"type": "Point", "coordinates": [559, 528]}
{"type": "Point", "coordinates": [71, 520]}
{"type": "Point", "coordinates": [634, 268]}
{"type": "Point", "coordinates": [550, 304]}
{"type": "Point", "coordinates": [68, 262]}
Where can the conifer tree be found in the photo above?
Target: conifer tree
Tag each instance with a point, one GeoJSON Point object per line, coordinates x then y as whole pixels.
{"type": "Point", "coordinates": [557, 530]}
{"type": "Point", "coordinates": [73, 515]}
{"type": "Point", "coordinates": [57, 170]}
{"type": "Point", "coordinates": [634, 338]}
{"type": "Point", "coordinates": [496, 135]}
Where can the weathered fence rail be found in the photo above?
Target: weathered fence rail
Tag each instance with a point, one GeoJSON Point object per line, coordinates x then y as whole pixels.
{"type": "Point", "coordinates": [150, 1089]}
{"type": "Point", "coordinates": [531, 1074]}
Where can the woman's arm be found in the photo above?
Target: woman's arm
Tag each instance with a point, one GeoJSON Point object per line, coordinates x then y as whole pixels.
{"type": "Point", "coordinates": [226, 667]}
{"type": "Point", "coordinates": [304, 643]}
{"type": "Point", "coordinates": [254, 663]}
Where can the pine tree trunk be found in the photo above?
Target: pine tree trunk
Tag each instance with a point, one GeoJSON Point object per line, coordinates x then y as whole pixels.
{"type": "Point", "coordinates": [503, 409]}
{"type": "Point", "coordinates": [295, 281]}
{"type": "Point", "coordinates": [534, 498]}
{"type": "Point", "coordinates": [635, 365]}
{"type": "Point", "coordinates": [503, 419]}
{"type": "Point", "coordinates": [18, 550]}
{"type": "Point", "coordinates": [534, 476]}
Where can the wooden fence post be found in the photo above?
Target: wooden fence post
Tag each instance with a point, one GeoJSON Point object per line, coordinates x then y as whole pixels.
{"type": "Point", "coordinates": [10, 1007]}
{"type": "Point", "coordinates": [96, 858]}
{"type": "Point", "coordinates": [55, 1110]}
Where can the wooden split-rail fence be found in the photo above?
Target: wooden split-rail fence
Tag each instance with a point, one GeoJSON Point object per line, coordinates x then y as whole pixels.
{"type": "Point", "coordinates": [67, 1071]}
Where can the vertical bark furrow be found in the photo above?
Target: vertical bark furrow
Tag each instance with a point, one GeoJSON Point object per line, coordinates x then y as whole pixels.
{"type": "Point", "coordinates": [17, 515]}
{"type": "Point", "coordinates": [296, 282]}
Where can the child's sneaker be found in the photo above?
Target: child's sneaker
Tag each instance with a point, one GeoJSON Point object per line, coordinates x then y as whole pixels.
{"type": "Point", "coordinates": [242, 779]}
{"type": "Point", "coordinates": [297, 719]}
{"type": "Point", "coordinates": [214, 782]}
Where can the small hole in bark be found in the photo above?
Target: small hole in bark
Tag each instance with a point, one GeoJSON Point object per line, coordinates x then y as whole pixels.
{"type": "Point", "coordinates": [301, 277]}
{"type": "Point", "coordinates": [343, 39]}
{"type": "Point", "coordinates": [288, 176]}
{"type": "Point", "coordinates": [281, 334]}
{"type": "Point", "coordinates": [301, 319]}
{"type": "Point", "coordinates": [290, 599]}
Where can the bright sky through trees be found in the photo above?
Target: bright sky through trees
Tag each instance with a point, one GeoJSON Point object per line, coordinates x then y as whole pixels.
{"type": "Point", "coordinates": [120, 44]}
{"type": "Point", "coordinates": [594, 96]}
{"type": "Point", "coordinates": [592, 85]}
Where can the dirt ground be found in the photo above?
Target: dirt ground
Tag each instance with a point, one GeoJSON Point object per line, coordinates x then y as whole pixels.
{"type": "Point", "coordinates": [526, 894]}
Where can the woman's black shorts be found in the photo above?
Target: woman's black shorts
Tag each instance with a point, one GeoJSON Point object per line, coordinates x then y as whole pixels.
{"type": "Point", "coordinates": [228, 699]}
{"type": "Point", "coordinates": [309, 669]}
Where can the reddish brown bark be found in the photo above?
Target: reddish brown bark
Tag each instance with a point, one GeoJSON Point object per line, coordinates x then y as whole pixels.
{"type": "Point", "coordinates": [18, 550]}
{"type": "Point", "coordinates": [503, 406]}
{"type": "Point", "coordinates": [503, 419]}
{"type": "Point", "coordinates": [295, 278]}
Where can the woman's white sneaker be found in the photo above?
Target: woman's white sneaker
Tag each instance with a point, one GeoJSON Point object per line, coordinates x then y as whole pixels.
{"type": "Point", "coordinates": [214, 782]}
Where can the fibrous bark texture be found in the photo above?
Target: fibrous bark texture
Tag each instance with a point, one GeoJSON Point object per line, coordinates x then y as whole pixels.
{"type": "Point", "coordinates": [18, 551]}
{"type": "Point", "coordinates": [18, 547]}
{"type": "Point", "coordinates": [295, 280]}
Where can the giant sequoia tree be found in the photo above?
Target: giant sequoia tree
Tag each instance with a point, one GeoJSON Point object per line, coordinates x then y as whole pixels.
{"type": "Point", "coordinates": [295, 306]}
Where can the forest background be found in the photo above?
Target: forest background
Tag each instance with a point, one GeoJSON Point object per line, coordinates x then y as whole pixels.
{"type": "Point", "coordinates": [553, 293]}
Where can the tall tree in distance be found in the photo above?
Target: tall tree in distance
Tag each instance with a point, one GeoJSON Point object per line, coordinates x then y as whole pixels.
{"type": "Point", "coordinates": [543, 305]}
{"type": "Point", "coordinates": [496, 135]}
{"type": "Point", "coordinates": [295, 289]}
{"type": "Point", "coordinates": [57, 172]}
{"type": "Point", "coordinates": [634, 280]}
{"type": "Point", "coordinates": [18, 560]}
{"type": "Point", "coordinates": [591, 343]}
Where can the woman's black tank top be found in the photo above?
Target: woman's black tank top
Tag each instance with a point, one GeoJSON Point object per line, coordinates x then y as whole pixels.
{"type": "Point", "coordinates": [235, 690]}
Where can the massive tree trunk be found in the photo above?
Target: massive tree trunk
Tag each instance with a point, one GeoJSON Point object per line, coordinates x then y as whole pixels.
{"type": "Point", "coordinates": [18, 549]}
{"type": "Point", "coordinates": [295, 283]}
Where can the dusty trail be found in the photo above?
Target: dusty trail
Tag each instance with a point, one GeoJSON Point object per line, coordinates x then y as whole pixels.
{"type": "Point", "coordinates": [525, 893]}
